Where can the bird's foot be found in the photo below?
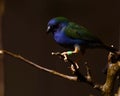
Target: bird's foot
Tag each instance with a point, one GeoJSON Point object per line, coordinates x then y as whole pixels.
{"type": "Point", "coordinates": [65, 54]}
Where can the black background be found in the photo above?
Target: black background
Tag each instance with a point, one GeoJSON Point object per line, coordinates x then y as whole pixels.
{"type": "Point", "coordinates": [24, 32]}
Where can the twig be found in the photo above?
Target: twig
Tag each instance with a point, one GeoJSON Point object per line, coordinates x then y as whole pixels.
{"type": "Point", "coordinates": [73, 78]}
{"type": "Point", "coordinates": [86, 79]}
{"type": "Point", "coordinates": [89, 77]}
{"type": "Point", "coordinates": [78, 76]}
{"type": "Point", "coordinates": [106, 89]}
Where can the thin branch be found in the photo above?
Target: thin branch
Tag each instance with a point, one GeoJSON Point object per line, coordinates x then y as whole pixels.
{"type": "Point", "coordinates": [73, 78]}
{"type": "Point", "coordinates": [76, 71]}
{"type": "Point", "coordinates": [90, 79]}
{"type": "Point", "coordinates": [78, 76]}
{"type": "Point", "coordinates": [89, 74]}
{"type": "Point", "coordinates": [106, 89]}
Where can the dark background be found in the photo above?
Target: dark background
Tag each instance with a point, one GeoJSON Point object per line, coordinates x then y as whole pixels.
{"type": "Point", "coordinates": [24, 32]}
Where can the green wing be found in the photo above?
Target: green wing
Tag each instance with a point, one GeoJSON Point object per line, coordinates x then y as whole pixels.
{"type": "Point", "coordinates": [79, 32]}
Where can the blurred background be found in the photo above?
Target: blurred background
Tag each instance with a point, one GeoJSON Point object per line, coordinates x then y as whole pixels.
{"type": "Point", "coordinates": [24, 25]}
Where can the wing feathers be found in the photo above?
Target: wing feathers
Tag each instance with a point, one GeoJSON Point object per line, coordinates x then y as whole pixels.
{"type": "Point", "coordinates": [79, 32]}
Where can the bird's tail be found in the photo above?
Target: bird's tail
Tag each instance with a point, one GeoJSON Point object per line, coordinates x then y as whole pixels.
{"type": "Point", "coordinates": [110, 49]}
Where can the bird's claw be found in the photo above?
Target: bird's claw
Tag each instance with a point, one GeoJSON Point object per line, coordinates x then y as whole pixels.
{"type": "Point", "coordinates": [65, 56]}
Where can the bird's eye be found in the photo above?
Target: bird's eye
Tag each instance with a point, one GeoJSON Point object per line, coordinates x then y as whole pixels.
{"type": "Point", "coordinates": [48, 28]}
{"type": "Point", "coordinates": [52, 28]}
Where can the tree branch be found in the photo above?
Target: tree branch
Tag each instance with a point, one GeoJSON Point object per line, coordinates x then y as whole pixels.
{"type": "Point", "coordinates": [112, 72]}
{"type": "Point", "coordinates": [73, 78]}
{"type": "Point", "coordinates": [77, 75]}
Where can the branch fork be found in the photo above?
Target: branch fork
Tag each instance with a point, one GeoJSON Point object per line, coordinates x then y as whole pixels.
{"type": "Point", "coordinates": [106, 89]}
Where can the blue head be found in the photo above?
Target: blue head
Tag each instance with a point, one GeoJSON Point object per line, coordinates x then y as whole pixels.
{"type": "Point", "coordinates": [56, 23]}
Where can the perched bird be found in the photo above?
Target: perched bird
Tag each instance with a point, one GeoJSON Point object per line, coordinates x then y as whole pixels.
{"type": "Point", "coordinates": [76, 37]}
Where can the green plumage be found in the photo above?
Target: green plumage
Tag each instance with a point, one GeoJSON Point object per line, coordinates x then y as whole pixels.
{"type": "Point", "coordinates": [79, 32]}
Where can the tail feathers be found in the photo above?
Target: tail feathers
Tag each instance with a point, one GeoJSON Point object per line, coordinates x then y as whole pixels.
{"type": "Point", "coordinates": [111, 49]}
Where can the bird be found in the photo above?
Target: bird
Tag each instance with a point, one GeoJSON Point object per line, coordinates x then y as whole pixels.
{"type": "Point", "coordinates": [75, 37]}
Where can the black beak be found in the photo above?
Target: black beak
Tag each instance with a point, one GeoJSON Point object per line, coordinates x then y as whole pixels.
{"type": "Point", "coordinates": [48, 29]}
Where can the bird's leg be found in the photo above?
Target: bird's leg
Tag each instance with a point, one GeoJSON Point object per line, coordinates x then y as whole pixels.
{"type": "Point", "coordinates": [76, 50]}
